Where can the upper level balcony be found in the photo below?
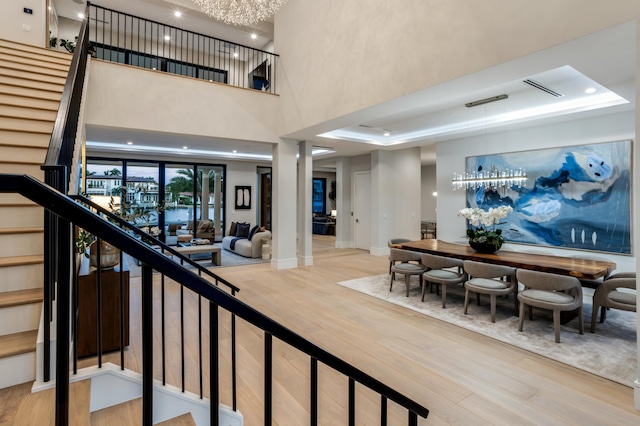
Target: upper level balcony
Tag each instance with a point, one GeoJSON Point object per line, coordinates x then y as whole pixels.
{"type": "Point", "coordinates": [127, 39]}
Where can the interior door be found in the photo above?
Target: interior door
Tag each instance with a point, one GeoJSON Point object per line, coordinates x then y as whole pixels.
{"type": "Point", "coordinates": [362, 210]}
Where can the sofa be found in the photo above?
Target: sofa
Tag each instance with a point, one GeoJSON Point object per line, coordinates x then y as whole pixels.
{"type": "Point", "coordinates": [323, 225]}
{"type": "Point", "coordinates": [244, 246]}
{"type": "Point", "coordinates": [204, 229]}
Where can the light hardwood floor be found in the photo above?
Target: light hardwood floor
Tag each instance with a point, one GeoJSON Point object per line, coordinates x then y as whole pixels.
{"type": "Point", "coordinates": [462, 377]}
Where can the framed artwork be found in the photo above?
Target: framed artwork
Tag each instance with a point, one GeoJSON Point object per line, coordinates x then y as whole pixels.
{"type": "Point", "coordinates": [576, 197]}
{"type": "Point", "coordinates": [243, 197]}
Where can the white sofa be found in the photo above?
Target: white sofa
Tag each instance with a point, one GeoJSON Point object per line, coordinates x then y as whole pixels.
{"type": "Point", "coordinates": [247, 248]}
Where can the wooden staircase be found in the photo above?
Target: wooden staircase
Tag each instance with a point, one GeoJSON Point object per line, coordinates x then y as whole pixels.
{"type": "Point", "coordinates": [31, 84]}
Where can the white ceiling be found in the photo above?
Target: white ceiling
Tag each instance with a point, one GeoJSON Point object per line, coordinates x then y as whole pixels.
{"type": "Point", "coordinates": [603, 60]}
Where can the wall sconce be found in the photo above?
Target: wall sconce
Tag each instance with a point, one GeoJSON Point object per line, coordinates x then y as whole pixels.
{"type": "Point", "coordinates": [334, 213]}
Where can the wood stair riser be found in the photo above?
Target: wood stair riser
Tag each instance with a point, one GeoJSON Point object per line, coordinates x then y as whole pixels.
{"type": "Point", "coordinates": [45, 71]}
{"type": "Point", "coordinates": [18, 369]}
{"type": "Point", "coordinates": [19, 90]}
{"type": "Point", "coordinates": [14, 81]}
{"type": "Point", "coordinates": [31, 62]}
{"type": "Point", "coordinates": [25, 155]}
{"type": "Point", "coordinates": [16, 138]}
{"type": "Point", "coordinates": [22, 169]}
{"type": "Point", "coordinates": [21, 277]}
{"type": "Point", "coordinates": [21, 216]}
{"type": "Point", "coordinates": [31, 76]}
{"type": "Point", "coordinates": [19, 111]}
{"type": "Point", "coordinates": [21, 244]}
{"type": "Point", "coordinates": [25, 125]}
{"type": "Point", "coordinates": [25, 102]}
{"type": "Point", "coordinates": [16, 319]}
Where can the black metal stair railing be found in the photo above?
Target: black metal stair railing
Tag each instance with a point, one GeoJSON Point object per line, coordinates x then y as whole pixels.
{"type": "Point", "coordinates": [69, 212]}
{"type": "Point", "coordinates": [128, 39]}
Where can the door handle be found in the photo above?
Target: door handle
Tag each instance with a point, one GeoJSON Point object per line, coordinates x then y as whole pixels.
{"type": "Point", "coordinates": [357, 221]}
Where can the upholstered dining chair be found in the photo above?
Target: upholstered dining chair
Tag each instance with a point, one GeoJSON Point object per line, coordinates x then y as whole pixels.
{"type": "Point", "coordinates": [405, 262]}
{"type": "Point", "coordinates": [438, 273]}
{"type": "Point", "coordinates": [493, 280]}
{"type": "Point", "coordinates": [394, 242]}
{"type": "Point", "coordinates": [608, 295]}
{"type": "Point", "coordinates": [556, 293]}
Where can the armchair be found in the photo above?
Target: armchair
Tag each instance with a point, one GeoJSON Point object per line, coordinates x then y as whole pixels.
{"type": "Point", "coordinates": [608, 295]}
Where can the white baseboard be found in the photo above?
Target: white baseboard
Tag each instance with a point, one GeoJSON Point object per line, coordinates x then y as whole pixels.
{"type": "Point", "coordinates": [636, 393]}
{"type": "Point", "coordinates": [284, 263]}
{"type": "Point", "coordinates": [379, 251]}
{"type": "Point", "coordinates": [345, 244]}
{"type": "Point", "coordinates": [305, 260]}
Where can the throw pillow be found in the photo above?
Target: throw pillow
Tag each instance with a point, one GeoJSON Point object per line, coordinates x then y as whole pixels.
{"type": "Point", "coordinates": [253, 232]}
{"type": "Point", "coordinates": [242, 230]}
{"type": "Point", "coordinates": [204, 226]}
{"type": "Point", "coordinates": [232, 229]}
{"type": "Point", "coordinates": [262, 229]}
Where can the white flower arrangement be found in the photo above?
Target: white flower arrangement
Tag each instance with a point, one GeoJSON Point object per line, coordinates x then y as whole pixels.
{"type": "Point", "coordinates": [479, 219]}
{"type": "Point", "coordinates": [478, 216]}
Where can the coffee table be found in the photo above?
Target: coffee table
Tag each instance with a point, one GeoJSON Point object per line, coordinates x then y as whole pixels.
{"type": "Point", "coordinates": [189, 249]}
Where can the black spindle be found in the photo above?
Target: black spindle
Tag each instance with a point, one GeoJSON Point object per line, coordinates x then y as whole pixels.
{"type": "Point", "coordinates": [214, 372]}
{"type": "Point", "coordinates": [352, 402]}
{"type": "Point", "coordinates": [268, 378]}
{"type": "Point", "coordinates": [147, 345]}
{"type": "Point", "coordinates": [314, 392]}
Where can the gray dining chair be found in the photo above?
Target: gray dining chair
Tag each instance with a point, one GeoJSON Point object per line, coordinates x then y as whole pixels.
{"type": "Point", "coordinates": [393, 242]}
{"type": "Point", "coordinates": [608, 295]}
{"type": "Point", "coordinates": [492, 280]}
{"type": "Point", "coordinates": [439, 273]}
{"type": "Point", "coordinates": [405, 262]}
{"type": "Point", "coordinates": [557, 293]}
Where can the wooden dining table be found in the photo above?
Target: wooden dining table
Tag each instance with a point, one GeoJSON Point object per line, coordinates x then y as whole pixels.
{"type": "Point", "coordinates": [575, 267]}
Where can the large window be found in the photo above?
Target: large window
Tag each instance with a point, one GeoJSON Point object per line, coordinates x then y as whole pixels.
{"type": "Point", "coordinates": [177, 187]}
{"type": "Point", "coordinates": [319, 195]}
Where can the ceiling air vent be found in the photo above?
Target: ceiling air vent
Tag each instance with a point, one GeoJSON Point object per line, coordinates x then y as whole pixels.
{"type": "Point", "coordinates": [543, 88]}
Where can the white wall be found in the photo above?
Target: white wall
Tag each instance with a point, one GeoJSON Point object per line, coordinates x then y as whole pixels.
{"type": "Point", "coordinates": [128, 97]}
{"type": "Point", "coordinates": [422, 41]}
{"type": "Point", "coordinates": [13, 18]}
{"type": "Point", "coordinates": [242, 174]}
{"type": "Point", "coordinates": [451, 157]}
{"type": "Point", "coordinates": [428, 186]}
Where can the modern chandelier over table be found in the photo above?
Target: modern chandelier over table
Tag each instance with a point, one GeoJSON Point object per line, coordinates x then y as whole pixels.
{"type": "Point", "coordinates": [240, 12]}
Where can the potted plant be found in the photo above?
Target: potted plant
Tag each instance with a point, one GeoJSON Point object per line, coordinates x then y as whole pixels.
{"type": "Point", "coordinates": [482, 238]}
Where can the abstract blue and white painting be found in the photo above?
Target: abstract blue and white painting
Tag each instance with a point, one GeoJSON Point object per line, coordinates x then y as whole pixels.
{"type": "Point", "coordinates": [575, 197]}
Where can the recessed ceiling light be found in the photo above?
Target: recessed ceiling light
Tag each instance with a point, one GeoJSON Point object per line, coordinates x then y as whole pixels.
{"type": "Point", "coordinates": [590, 90]}
{"type": "Point", "coordinates": [185, 147]}
{"type": "Point", "coordinates": [235, 54]}
{"type": "Point", "coordinates": [254, 36]}
{"type": "Point", "coordinates": [81, 15]}
{"type": "Point", "coordinates": [167, 37]}
{"type": "Point", "coordinates": [153, 68]}
{"type": "Point", "coordinates": [129, 143]}
{"type": "Point", "coordinates": [234, 151]}
{"type": "Point", "coordinates": [177, 13]}
{"type": "Point", "coordinates": [435, 194]}
{"type": "Point", "coordinates": [387, 134]}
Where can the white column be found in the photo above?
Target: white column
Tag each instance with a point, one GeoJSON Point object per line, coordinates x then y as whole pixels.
{"type": "Point", "coordinates": [344, 231]}
{"type": "Point", "coordinates": [204, 199]}
{"type": "Point", "coordinates": [217, 223]}
{"type": "Point", "coordinates": [305, 208]}
{"type": "Point", "coordinates": [284, 205]}
{"type": "Point", "coordinates": [395, 197]}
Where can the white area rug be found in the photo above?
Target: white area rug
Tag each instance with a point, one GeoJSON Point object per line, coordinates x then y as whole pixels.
{"type": "Point", "coordinates": [609, 353]}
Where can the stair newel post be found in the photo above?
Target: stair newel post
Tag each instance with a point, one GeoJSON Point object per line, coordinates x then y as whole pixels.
{"type": "Point", "coordinates": [214, 373]}
{"type": "Point", "coordinates": [268, 378]}
{"type": "Point", "coordinates": [147, 345]}
{"type": "Point", "coordinates": [62, 322]}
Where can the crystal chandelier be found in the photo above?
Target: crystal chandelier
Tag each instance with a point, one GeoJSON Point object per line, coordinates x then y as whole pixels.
{"type": "Point", "coordinates": [240, 12]}
{"type": "Point", "coordinates": [490, 179]}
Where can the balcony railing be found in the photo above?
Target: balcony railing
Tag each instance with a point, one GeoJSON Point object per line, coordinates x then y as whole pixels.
{"type": "Point", "coordinates": [127, 39]}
